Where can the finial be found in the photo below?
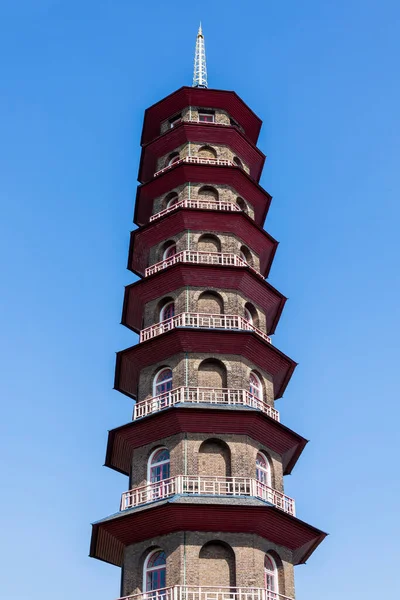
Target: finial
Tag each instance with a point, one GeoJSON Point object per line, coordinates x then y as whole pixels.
{"type": "Point", "coordinates": [200, 67]}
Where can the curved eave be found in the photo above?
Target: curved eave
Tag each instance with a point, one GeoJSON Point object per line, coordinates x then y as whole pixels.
{"type": "Point", "coordinates": [183, 173]}
{"type": "Point", "coordinates": [207, 98]}
{"type": "Point", "coordinates": [172, 139]}
{"type": "Point", "coordinates": [111, 536]}
{"type": "Point", "coordinates": [180, 275]}
{"type": "Point", "coordinates": [202, 419]}
{"type": "Point", "coordinates": [193, 219]}
{"type": "Point", "coordinates": [205, 341]}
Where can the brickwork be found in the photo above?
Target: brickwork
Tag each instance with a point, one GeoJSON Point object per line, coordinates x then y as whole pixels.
{"type": "Point", "coordinates": [209, 558]}
{"type": "Point", "coordinates": [190, 191]}
{"type": "Point", "coordinates": [192, 240]}
{"type": "Point", "coordinates": [192, 149]}
{"type": "Point", "coordinates": [192, 113]}
{"type": "Point", "coordinates": [225, 455]}
{"type": "Point", "coordinates": [200, 299]}
{"type": "Point", "coordinates": [185, 369]}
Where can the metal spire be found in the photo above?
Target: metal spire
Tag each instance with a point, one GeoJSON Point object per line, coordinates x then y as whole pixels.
{"type": "Point", "coordinates": [200, 67]}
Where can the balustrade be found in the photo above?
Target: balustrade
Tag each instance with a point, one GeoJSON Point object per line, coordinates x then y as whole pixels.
{"type": "Point", "coordinates": [202, 395]}
{"type": "Point", "coordinates": [185, 592]}
{"type": "Point", "coordinates": [206, 486]}
{"type": "Point", "coordinates": [203, 204]}
{"type": "Point", "coordinates": [205, 258]}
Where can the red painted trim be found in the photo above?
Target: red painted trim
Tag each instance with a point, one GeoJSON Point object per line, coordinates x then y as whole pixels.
{"type": "Point", "coordinates": [173, 138]}
{"type": "Point", "coordinates": [182, 173]}
{"type": "Point", "coordinates": [207, 98]}
{"type": "Point", "coordinates": [208, 341]}
{"type": "Point", "coordinates": [183, 419]}
{"type": "Point", "coordinates": [257, 290]}
{"type": "Point", "coordinates": [184, 219]}
{"type": "Point", "coordinates": [266, 521]}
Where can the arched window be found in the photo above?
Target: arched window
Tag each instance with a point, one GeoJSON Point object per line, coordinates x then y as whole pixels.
{"type": "Point", "coordinates": [170, 199]}
{"type": "Point", "coordinates": [159, 465]}
{"type": "Point", "coordinates": [245, 254]}
{"type": "Point", "coordinates": [263, 469]}
{"type": "Point", "coordinates": [251, 314]}
{"type": "Point", "coordinates": [172, 158]}
{"type": "Point", "coordinates": [214, 459]}
{"type": "Point", "coordinates": [237, 162]}
{"type": "Point", "coordinates": [270, 577]}
{"type": "Point", "coordinates": [247, 315]}
{"type": "Point", "coordinates": [162, 382]}
{"type": "Point", "coordinates": [212, 374]}
{"type": "Point", "coordinates": [155, 571]}
{"type": "Point", "coordinates": [255, 386]}
{"type": "Point", "coordinates": [167, 311]}
{"type": "Point", "coordinates": [169, 250]}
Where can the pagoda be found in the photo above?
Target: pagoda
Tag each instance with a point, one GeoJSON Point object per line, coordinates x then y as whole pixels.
{"type": "Point", "coordinates": [205, 516]}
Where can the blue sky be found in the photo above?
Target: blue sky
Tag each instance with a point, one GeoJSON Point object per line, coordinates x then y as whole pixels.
{"type": "Point", "coordinates": [75, 80]}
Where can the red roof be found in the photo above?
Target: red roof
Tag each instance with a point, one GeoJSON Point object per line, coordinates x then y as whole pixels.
{"type": "Point", "coordinates": [207, 341]}
{"type": "Point", "coordinates": [111, 536]}
{"type": "Point", "coordinates": [193, 219]}
{"type": "Point", "coordinates": [204, 134]}
{"type": "Point", "coordinates": [182, 173]}
{"type": "Point", "coordinates": [180, 419]}
{"type": "Point", "coordinates": [257, 290]}
{"type": "Point", "coordinates": [206, 98]}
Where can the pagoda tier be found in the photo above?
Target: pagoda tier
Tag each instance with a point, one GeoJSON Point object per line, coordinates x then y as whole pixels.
{"type": "Point", "coordinates": [180, 275]}
{"type": "Point", "coordinates": [202, 133]}
{"type": "Point", "coordinates": [191, 172]}
{"type": "Point", "coordinates": [196, 220]}
{"type": "Point", "coordinates": [112, 535]}
{"type": "Point", "coordinates": [200, 418]}
{"type": "Point", "coordinates": [261, 353]}
{"type": "Point", "coordinates": [188, 96]}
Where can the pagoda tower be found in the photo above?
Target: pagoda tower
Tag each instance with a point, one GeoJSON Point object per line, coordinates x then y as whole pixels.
{"type": "Point", "coordinates": [205, 516]}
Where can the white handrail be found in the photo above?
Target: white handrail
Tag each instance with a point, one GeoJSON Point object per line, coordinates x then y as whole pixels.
{"type": "Point", "coordinates": [202, 321]}
{"type": "Point", "coordinates": [202, 395]}
{"type": "Point", "coordinates": [202, 204]}
{"type": "Point", "coordinates": [185, 592]}
{"type": "Point", "coordinates": [197, 160]}
{"type": "Point", "coordinates": [206, 486]}
{"type": "Point", "coordinates": [206, 258]}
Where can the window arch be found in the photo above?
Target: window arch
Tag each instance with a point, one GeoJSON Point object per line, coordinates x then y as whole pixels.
{"type": "Point", "coordinates": [172, 158]}
{"type": "Point", "coordinates": [237, 162]}
{"type": "Point", "coordinates": [245, 254]}
{"type": "Point", "coordinates": [171, 199]}
{"type": "Point", "coordinates": [214, 459]}
{"type": "Point", "coordinates": [241, 204]}
{"type": "Point", "coordinates": [209, 243]}
{"type": "Point", "coordinates": [263, 470]}
{"type": "Point", "coordinates": [255, 385]}
{"type": "Point", "coordinates": [154, 572]}
{"type": "Point", "coordinates": [210, 302]}
{"type": "Point", "coordinates": [251, 314]}
{"type": "Point", "coordinates": [158, 465]}
{"type": "Point", "coordinates": [167, 311]}
{"type": "Point", "coordinates": [270, 577]}
{"type": "Point", "coordinates": [217, 567]}
{"type": "Point", "coordinates": [206, 152]}
{"type": "Point", "coordinates": [209, 193]}
{"type": "Point", "coordinates": [212, 374]}
{"type": "Point", "coordinates": [162, 383]}
{"type": "Point", "coordinates": [169, 250]}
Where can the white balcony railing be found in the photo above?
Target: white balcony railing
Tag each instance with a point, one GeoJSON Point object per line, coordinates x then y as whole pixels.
{"type": "Point", "coordinates": [185, 592]}
{"type": "Point", "coordinates": [203, 204]}
{"type": "Point", "coordinates": [197, 160]}
{"type": "Point", "coordinates": [205, 258]}
{"type": "Point", "coordinates": [202, 395]}
{"type": "Point", "coordinates": [202, 321]}
{"type": "Point", "coordinates": [206, 486]}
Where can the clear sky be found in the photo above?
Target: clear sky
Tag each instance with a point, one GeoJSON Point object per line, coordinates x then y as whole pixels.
{"type": "Point", "coordinates": [75, 79]}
